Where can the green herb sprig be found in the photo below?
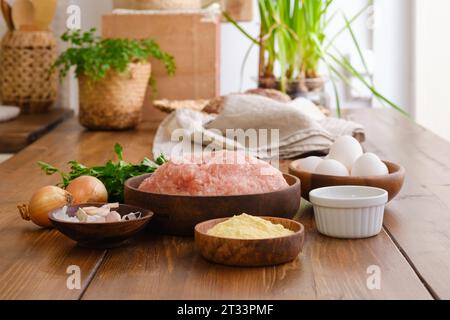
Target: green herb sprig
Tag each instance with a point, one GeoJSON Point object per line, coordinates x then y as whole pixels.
{"type": "Point", "coordinates": [293, 36]}
{"type": "Point", "coordinates": [112, 174]}
{"type": "Point", "coordinates": [94, 57]}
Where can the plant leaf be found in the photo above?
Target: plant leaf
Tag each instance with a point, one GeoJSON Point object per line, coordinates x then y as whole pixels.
{"type": "Point", "coordinates": [118, 150]}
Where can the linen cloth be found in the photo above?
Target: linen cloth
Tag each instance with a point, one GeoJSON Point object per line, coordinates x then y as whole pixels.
{"type": "Point", "coordinates": [302, 128]}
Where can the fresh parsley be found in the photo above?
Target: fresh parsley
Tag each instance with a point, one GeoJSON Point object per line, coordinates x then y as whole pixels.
{"type": "Point", "coordinates": [112, 174]}
{"type": "Point", "coordinates": [94, 57]}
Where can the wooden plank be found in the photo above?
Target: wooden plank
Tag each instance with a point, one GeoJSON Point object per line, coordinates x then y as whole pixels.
{"type": "Point", "coordinates": [419, 219]}
{"type": "Point", "coordinates": [34, 261]}
{"type": "Point", "coordinates": [27, 128]}
{"type": "Point", "coordinates": [170, 268]}
{"type": "Point", "coordinates": [156, 267]}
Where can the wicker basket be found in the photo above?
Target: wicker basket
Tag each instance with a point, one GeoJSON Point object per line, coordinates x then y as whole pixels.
{"type": "Point", "coordinates": [115, 102]}
{"type": "Point", "coordinates": [25, 62]}
{"type": "Point", "coordinates": [157, 4]}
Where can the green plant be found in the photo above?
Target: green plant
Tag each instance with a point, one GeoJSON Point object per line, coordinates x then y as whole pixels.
{"type": "Point", "coordinates": [94, 57]}
{"type": "Point", "coordinates": [113, 175]}
{"type": "Point", "coordinates": [293, 35]}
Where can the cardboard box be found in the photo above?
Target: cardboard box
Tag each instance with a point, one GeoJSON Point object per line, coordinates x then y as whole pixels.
{"type": "Point", "coordinates": [194, 41]}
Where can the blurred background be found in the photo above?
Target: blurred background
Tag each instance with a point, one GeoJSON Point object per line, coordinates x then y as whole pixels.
{"type": "Point", "coordinates": [404, 40]}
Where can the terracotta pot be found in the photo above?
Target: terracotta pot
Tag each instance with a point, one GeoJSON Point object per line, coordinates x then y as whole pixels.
{"type": "Point", "coordinates": [114, 102]}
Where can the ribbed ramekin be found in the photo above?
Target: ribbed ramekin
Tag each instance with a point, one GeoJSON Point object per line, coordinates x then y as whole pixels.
{"type": "Point", "coordinates": [349, 211]}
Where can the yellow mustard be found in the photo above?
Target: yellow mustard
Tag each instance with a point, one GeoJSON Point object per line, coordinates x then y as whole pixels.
{"type": "Point", "coordinates": [246, 226]}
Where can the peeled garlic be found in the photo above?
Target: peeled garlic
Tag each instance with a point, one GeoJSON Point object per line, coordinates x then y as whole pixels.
{"type": "Point", "coordinates": [82, 215]}
{"type": "Point", "coordinates": [114, 205]}
{"type": "Point", "coordinates": [96, 211]}
{"type": "Point", "coordinates": [132, 216]}
{"type": "Point", "coordinates": [96, 219]}
{"type": "Point", "coordinates": [113, 216]}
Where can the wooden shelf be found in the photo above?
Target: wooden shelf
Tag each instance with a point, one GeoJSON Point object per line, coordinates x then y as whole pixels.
{"type": "Point", "coordinates": [27, 128]}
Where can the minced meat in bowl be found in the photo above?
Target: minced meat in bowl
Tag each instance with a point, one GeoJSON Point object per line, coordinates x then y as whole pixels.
{"type": "Point", "coordinates": [219, 173]}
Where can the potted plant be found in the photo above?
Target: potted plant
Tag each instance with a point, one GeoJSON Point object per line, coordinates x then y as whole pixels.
{"type": "Point", "coordinates": [292, 36]}
{"type": "Point", "coordinates": [113, 76]}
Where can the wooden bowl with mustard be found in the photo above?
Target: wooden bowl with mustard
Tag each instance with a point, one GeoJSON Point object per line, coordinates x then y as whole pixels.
{"type": "Point", "coordinates": [250, 252]}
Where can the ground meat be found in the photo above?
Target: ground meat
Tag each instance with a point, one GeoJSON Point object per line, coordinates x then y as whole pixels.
{"type": "Point", "coordinates": [216, 173]}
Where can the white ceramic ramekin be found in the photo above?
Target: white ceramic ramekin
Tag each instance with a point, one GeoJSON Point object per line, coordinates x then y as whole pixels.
{"type": "Point", "coordinates": [349, 211]}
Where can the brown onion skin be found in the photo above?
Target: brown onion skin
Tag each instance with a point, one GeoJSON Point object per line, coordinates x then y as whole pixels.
{"type": "Point", "coordinates": [44, 201]}
{"type": "Point", "coordinates": [87, 189]}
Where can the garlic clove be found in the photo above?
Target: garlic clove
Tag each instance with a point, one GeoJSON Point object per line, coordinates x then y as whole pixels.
{"type": "Point", "coordinates": [114, 205]}
{"type": "Point", "coordinates": [82, 215]}
{"type": "Point", "coordinates": [96, 211]}
{"type": "Point", "coordinates": [102, 212]}
{"type": "Point", "coordinates": [101, 219]}
{"type": "Point", "coordinates": [92, 211]}
{"type": "Point", "coordinates": [132, 216]}
{"type": "Point", "coordinates": [95, 219]}
{"type": "Point", "coordinates": [113, 216]}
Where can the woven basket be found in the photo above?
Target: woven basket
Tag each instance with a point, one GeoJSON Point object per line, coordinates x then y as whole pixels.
{"type": "Point", "coordinates": [114, 102]}
{"type": "Point", "coordinates": [25, 62]}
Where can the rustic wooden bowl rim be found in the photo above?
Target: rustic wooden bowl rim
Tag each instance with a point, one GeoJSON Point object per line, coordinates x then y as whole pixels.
{"type": "Point", "coordinates": [146, 215]}
{"type": "Point", "coordinates": [290, 186]}
{"type": "Point", "coordinates": [219, 220]}
{"type": "Point", "coordinates": [398, 170]}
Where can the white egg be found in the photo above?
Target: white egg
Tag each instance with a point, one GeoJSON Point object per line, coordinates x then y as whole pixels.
{"type": "Point", "coordinates": [346, 150]}
{"type": "Point", "coordinates": [309, 164]}
{"type": "Point", "coordinates": [332, 168]}
{"type": "Point", "coordinates": [369, 165]}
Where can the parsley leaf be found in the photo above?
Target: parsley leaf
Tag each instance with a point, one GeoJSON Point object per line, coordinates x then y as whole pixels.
{"type": "Point", "coordinates": [112, 174]}
{"type": "Point", "coordinates": [94, 57]}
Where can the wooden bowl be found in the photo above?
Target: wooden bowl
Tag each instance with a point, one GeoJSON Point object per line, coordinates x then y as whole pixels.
{"type": "Point", "coordinates": [392, 182]}
{"type": "Point", "coordinates": [101, 235]}
{"type": "Point", "coordinates": [178, 215]}
{"type": "Point", "coordinates": [250, 253]}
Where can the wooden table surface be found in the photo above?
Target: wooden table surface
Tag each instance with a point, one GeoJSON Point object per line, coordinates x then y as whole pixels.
{"type": "Point", "coordinates": [412, 252]}
{"type": "Point", "coordinates": [27, 128]}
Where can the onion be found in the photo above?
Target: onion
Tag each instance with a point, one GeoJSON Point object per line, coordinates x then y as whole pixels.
{"type": "Point", "coordinates": [42, 202]}
{"type": "Point", "coordinates": [87, 189]}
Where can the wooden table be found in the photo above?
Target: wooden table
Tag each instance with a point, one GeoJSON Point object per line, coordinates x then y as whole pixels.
{"type": "Point", "coordinates": [412, 252]}
{"type": "Point", "coordinates": [27, 128]}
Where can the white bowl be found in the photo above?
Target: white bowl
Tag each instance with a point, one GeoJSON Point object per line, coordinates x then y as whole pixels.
{"type": "Point", "coordinates": [349, 212]}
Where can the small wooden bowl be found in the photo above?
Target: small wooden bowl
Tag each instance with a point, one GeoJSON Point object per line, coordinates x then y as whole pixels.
{"type": "Point", "coordinates": [250, 253]}
{"type": "Point", "coordinates": [392, 182]}
{"type": "Point", "coordinates": [101, 235]}
{"type": "Point", "coordinates": [178, 215]}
